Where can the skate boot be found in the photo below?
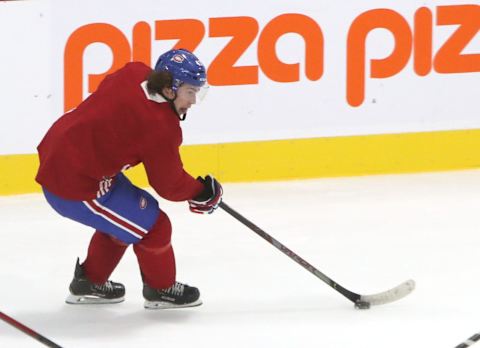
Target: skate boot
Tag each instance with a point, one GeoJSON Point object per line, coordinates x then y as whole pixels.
{"type": "Point", "coordinates": [177, 296]}
{"type": "Point", "coordinates": [83, 291]}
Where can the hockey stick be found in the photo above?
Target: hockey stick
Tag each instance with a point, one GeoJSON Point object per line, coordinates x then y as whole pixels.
{"type": "Point", "coordinates": [28, 331]}
{"type": "Point", "coordinates": [470, 341]}
{"type": "Point", "coordinates": [360, 301]}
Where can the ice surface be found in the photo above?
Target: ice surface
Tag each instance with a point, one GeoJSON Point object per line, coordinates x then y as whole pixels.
{"type": "Point", "coordinates": [367, 233]}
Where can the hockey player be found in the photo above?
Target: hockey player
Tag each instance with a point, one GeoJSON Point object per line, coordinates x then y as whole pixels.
{"type": "Point", "coordinates": [133, 117]}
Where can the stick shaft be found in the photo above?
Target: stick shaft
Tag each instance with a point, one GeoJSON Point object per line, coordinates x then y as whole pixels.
{"type": "Point", "coordinates": [347, 293]}
{"type": "Point", "coordinates": [28, 331]}
{"type": "Point", "coordinates": [470, 341]}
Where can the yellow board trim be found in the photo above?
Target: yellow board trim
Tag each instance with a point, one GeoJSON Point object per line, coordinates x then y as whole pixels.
{"type": "Point", "coordinates": [297, 158]}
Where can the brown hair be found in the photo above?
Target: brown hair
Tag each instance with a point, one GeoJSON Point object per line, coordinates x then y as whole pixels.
{"type": "Point", "coordinates": [158, 80]}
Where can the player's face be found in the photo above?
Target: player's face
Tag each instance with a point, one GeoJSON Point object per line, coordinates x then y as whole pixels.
{"type": "Point", "coordinates": [186, 97]}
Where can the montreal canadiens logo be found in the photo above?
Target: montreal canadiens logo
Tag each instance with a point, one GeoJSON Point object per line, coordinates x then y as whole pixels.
{"type": "Point", "coordinates": [178, 58]}
{"type": "Point", "coordinates": [143, 203]}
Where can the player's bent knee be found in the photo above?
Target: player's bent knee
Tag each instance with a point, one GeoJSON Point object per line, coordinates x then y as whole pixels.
{"type": "Point", "coordinates": [158, 238]}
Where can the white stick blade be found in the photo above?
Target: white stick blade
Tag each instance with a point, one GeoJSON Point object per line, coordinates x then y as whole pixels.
{"type": "Point", "coordinates": [394, 294]}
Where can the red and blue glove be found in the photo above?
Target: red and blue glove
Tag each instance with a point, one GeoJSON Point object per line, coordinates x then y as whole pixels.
{"type": "Point", "coordinates": [211, 196]}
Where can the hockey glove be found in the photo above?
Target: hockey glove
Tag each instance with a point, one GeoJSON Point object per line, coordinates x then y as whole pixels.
{"type": "Point", "coordinates": [211, 196]}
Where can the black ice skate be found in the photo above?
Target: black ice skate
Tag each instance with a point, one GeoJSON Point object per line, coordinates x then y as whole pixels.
{"type": "Point", "coordinates": [83, 291]}
{"type": "Point", "coordinates": [177, 296]}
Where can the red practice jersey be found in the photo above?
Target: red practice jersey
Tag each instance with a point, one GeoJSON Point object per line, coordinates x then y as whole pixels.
{"type": "Point", "coordinates": [116, 127]}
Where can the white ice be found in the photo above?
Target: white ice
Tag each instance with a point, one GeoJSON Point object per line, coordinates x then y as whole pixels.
{"type": "Point", "coordinates": [367, 233]}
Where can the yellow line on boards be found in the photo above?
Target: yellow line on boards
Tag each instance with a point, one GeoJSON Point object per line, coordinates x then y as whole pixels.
{"type": "Point", "coordinates": [296, 158]}
{"type": "Point", "coordinates": [17, 174]}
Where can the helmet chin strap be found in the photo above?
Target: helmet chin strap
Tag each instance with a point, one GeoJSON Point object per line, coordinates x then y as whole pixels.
{"type": "Point", "coordinates": [172, 105]}
{"type": "Point", "coordinates": [180, 117]}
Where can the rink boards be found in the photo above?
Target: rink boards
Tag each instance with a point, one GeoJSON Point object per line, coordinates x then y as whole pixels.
{"type": "Point", "coordinates": [297, 158]}
{"type": "Point", "coordinates": [298, 90]}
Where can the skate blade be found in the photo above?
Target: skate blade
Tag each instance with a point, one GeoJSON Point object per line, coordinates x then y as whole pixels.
{"type": "Point", "coordinates": [168, 305]}
{"type": "Point", "coordinates": [74, 299]}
